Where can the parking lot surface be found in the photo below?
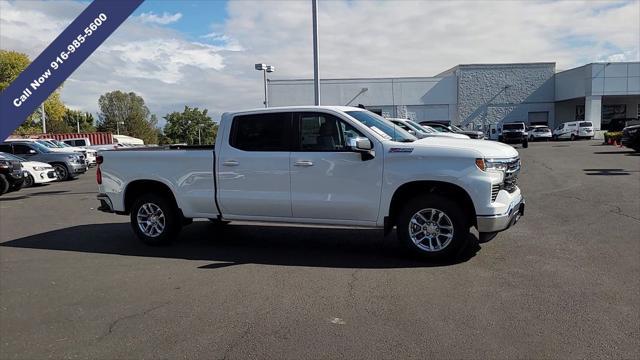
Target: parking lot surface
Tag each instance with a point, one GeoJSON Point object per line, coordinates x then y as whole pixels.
{"type": "Point", "coordinates": [563, 283]}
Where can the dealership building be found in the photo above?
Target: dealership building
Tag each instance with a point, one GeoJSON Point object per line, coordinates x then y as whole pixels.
{"type": "Point", "coordinates": [478, 95]}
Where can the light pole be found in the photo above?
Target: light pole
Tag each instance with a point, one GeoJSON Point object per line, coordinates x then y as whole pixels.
{"type": "Point", "coordinates": [44, 119]}
{"type": "Point", "coordinates": [118, 123]}
{"type": "Point", "coordinates": [199, 127]}
{"type": "Point", "coordinates": [316, 51]}
{"type": "Point", "coordinates": [78, 123]}
{"type": "Point", "coordinates": [265, 69]}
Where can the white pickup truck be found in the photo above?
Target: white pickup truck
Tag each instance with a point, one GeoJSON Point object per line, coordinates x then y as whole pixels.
{"type": "Point", "coordinates": [324, 165]}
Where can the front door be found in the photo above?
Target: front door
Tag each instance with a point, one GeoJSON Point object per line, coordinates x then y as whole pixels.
{"type": "Point", "coordinates": [328, 180]}
{"type": "Point", "coordinates": [253, 173]}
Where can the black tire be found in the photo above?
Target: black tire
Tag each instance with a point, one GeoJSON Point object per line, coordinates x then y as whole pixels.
{"type": "Point", "coordinates": [172, 221]}
{"type": "Point", "coordinates": [573, 137]}
{"type": "Point", "coordinates": [4, 185]}
{"type": "Point", "coordinates": [525, 143]}
{"type": "Point", "coordinates": [62, 171]}
{"type": "Point", "coordinates": [28, 181]}
{"type": "Point", "coordinates": [554, 137]}
{"type": "Point", "coordinates": [459, 221]}
{"type": "Point", "coordinates": [499, 138]}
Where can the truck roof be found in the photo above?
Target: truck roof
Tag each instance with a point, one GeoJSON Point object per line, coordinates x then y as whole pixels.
{"type": "Point", "coordinates": [297, 108]}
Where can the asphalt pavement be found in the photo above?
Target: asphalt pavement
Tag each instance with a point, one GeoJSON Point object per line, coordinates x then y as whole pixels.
{"type": "Point", "coordinates": [563, 283]}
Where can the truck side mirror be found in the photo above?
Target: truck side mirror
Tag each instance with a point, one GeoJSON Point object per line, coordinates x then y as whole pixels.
{"type": "Point", "coordinates": [363, 146]}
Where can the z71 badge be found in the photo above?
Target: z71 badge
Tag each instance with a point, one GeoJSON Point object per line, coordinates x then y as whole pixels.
{"type": "Point", "coordinates": [401, 150]}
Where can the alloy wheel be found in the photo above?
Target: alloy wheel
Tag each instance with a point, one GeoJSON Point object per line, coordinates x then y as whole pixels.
{"type": "Point", "coordinates": [431, 230]}
{"type": "Point", "coordinates": [151, 220]}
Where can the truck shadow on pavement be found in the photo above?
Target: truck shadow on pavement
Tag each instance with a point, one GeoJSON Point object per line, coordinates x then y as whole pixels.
{"type": "Point", "coordinates": [246, 244]}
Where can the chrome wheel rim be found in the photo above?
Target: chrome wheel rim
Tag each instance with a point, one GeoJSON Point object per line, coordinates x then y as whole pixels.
{"type": "Point", "coordinates": [151, 220]}
{"type": "Point", "coordinates": [431, 230]}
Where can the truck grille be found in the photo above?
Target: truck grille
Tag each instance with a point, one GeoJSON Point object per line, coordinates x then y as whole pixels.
{"type": "Point", "coordinates": [510, 182]}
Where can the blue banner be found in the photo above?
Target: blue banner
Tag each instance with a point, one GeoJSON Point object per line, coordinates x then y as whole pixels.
{"type": "Point", "coordinates": [60, 59]}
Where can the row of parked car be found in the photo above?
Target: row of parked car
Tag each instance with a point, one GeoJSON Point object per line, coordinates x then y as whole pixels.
{"type": "Point", "coordinates": [27, 162]}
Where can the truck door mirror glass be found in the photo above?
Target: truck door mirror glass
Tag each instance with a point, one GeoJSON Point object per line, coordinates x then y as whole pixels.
{"type": "Point", "coordinates": [360, 144]}
{"type": "Point", "coordinates": [363, 146]}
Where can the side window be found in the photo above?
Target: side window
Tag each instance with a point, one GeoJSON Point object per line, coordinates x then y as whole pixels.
{"type": "Point", "coordinates": [261, 132]}
{"type": "Point", "coordinates": [324, 132]}
{"type": "Point", "coordinates": [20, 149]}
{"type": "Point", "coordinates": [6, 148]}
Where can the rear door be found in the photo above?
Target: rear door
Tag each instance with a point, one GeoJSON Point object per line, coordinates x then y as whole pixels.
{"type": "Point", "coordinates": [328, 180]}
{"type": "Point", "coordinates": [253, 173]}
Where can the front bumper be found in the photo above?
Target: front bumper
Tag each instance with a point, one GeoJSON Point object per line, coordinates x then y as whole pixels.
{"type": "Point", "coordinates": [76, 168]}
{"type": "Point", "coordinates": [44, 176]}
{"type": "Point", "coordinates": [496, 223]}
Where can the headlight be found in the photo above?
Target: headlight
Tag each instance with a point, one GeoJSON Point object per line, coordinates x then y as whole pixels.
{"type": "Point", "coordinates": [496, 165]}
{"type": "Point", "coordinates": [632, 131]}
{"type": "Point", "coordinates": [39, 168]}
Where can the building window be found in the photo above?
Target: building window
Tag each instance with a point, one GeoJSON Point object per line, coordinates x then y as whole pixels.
{"type": "Point", "coordinates": [579, 112]}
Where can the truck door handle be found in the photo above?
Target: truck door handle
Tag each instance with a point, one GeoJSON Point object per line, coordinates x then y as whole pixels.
{"type": "Point", "coordinates": [230, 163]}
{"type": "Point", "coordinates": [303, 163]}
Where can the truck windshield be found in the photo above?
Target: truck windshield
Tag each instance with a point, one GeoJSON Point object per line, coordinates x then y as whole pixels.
{"type": "Point", "coordinates": [381, 126]}
{"type": "Point", "coordinates": [513, 127]}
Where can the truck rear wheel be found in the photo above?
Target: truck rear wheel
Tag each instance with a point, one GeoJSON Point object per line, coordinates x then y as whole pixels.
{"type": "Point", "coordinates": [155, 219]}
{"type": "Point", "coordinates": [525, 143]}
{"type": "Point", "coordinates": [433, 227]}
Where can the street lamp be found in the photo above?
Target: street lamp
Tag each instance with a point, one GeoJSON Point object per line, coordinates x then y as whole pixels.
{"type": "Point", "coordinates": [265, 69]}
{"type": "Point", "coordinates": [118, 123]}
{"type": "Point", "coordinates": [199, 127]}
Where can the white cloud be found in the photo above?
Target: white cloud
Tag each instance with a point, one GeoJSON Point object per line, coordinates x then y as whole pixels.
{"type": "Point", "coordinates": [357, 39]}
{"type": "Point", "coordinates": [163, 59]}
{"type": "Point", "coordinates": [164, 19]}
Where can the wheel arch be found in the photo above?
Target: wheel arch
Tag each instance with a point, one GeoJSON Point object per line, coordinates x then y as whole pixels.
{"type": "Point", "coordinates": [138, 187]}
{"type": "Point", "coordinates": [410, 189]}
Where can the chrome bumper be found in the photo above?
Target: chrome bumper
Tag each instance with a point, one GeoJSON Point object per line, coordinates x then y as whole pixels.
{"type": "Point", "coordinates": [495, 223]}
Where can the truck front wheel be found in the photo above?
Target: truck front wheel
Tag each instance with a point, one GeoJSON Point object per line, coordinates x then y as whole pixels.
{"type": "Point", "coordinates": [155, 219]}
{"type": "Point", "coordinates": [433, 227]}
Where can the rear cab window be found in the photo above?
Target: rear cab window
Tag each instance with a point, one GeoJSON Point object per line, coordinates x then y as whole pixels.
{"type": "Point", "coordinates": [585, 124]}
{"type": "Point", "coordinates": [261, 132]}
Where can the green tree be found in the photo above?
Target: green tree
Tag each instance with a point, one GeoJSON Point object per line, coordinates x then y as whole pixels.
{"type": "Point", "coordinates": [128, 113]}
{"type": "Point", "coordinates": [12, 63]}
{"type": "Point", "coordinates": [182, 127]}
{"type": "Point", "coordinates": [73, 118]}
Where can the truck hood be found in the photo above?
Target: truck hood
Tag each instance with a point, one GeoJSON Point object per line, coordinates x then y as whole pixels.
{"type": "Point", "coordinates": [485, 148]}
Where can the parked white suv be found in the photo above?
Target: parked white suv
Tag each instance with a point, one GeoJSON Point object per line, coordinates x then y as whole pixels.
{"type": "Point", "coordinates": [574, 130]}
{"type": "Point", "coordinates": [326, 165]}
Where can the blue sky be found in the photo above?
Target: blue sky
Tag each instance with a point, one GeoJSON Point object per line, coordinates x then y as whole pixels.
{"type": "Point", "coordinates": [197, 16]}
